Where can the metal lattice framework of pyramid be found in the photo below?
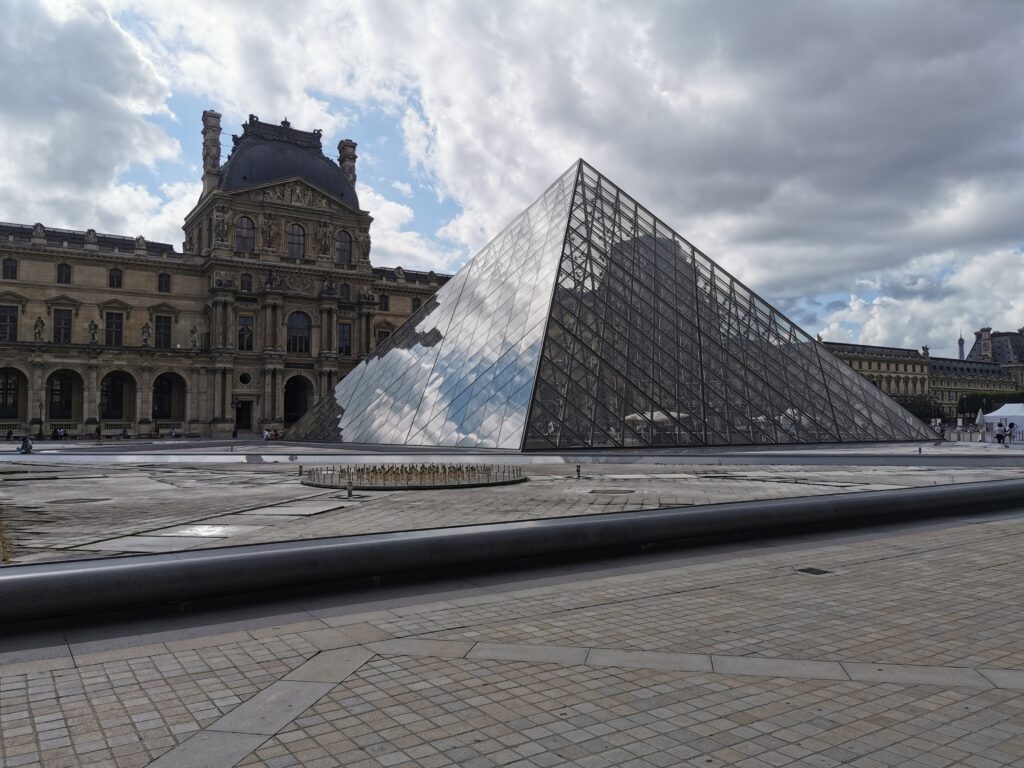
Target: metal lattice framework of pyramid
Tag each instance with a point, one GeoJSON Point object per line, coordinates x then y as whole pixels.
{"type": "Point", "coordinates": [589, 323]}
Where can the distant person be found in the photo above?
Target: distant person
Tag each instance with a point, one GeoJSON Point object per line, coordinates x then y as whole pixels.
{"type": "Point", "coordinates": [173, 433]}
{"type": "Point", "coordinates": [26, 445]}
{"type": "Point", "coordinates": [276, 435]}
{"type": "Point", "coordinates": [266, 434]}
{"type": "Point", "coordinates": [1000, 434]}
{"type": "Point", "coordinates": [1010, 431]}
{"type": "Point", "coordinates": [54, 434]}
{"type": "Point", "coordinates": [124, 433]}
{"type": "Point", "coordinates": [10, 435]}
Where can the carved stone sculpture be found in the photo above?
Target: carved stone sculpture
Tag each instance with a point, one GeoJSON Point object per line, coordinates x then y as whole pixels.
{"type": "Point", "coordinates": [193, 337]}
{"type": "Point", "coordinates": [37, 329]}
{"type": "Point", "coordinates": [38, 230]}
{"type": "Point", "coordinates": [90, 236]}
{"type": "Point", "coordinates": [323, 236]}
{"type": "Point", "coordinates": [220, 226]}
{"type": "Point", "coordinates": [93, 329]}
{"type": "Point", "coordinates": [147, 334]}
{"type": "Point", "coordinates": [269, 230]}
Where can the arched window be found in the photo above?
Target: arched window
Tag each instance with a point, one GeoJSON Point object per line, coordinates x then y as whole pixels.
{"type": "Point", "coordinates": [245, 282]}
{"type": "Point", "coordinates": [245, 235]}
{"type": "Point", "coordinates": [64, 273]}
{"type": "Point", "coordinates": [163, 282]}
{"type": "Point", "coordinates": [10, 269]}
{"type": "Point", "coordinates": [343, 248]}
{"type": "Point", "coordinates": [296, 241]}
{"type": "Point", "coordinates": [115, 278]}
{"type": "Point", "coordinates": [298, 333]}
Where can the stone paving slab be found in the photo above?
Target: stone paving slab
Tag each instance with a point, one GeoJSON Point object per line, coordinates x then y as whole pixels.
{"type": "Point", "coordinates": [272, 708]}
{"type": "Point", "coordinates": [210, 749]}
{"type": "Point", "coordinates": [331, 666]}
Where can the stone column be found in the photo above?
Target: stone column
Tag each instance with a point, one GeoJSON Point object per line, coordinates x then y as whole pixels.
{"type": "Point", "coordinates": [146, 379]}
{"type": "Point", "coordinates": [90, 397]}
{"type": "Point", "coordinates": [188, 406]}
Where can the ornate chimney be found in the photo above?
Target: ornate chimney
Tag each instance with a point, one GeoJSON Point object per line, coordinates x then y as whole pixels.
{"type": "Point", "coordinates": [211, 150]}
{"type": "Point", "coordinates": [347, 158]}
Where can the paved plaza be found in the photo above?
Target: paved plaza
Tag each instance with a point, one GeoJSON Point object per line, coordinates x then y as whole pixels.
{"type": "Point", "coordinates": [897, 646]}
{"type": "Point", "coordinates": [97, 507]}
{"type": "Point", "coordinates": [909, 651]}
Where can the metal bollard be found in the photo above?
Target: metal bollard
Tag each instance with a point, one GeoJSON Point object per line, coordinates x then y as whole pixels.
{"type": "Point", "coordinates": [577, 471]}
{"type": "Point", "coordinates": [300, 470]}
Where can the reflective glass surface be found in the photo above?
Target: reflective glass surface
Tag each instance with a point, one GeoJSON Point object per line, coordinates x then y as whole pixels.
{"type": "Point", "coordinates": [460, 371]}
{"type": "Point", "coordinates": [589, 323]}
{"type": "Point", "coordinates": [651, 343]}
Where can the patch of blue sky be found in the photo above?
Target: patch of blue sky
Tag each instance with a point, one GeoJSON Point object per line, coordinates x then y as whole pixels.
{"type": "Point", "coordinates": [184, 125]}
{"type": "Point", "coordinates": [383, 162]}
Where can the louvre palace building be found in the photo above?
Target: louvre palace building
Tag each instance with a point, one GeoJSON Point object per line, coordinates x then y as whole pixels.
{"type": "Point", "coordinates": [271, 300]}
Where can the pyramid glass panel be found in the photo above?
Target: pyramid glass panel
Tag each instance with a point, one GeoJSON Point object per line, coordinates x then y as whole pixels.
{"type": "Point", "coordinates": [589, 323]}
{"type": "Point", "coordinates": [460, 371]}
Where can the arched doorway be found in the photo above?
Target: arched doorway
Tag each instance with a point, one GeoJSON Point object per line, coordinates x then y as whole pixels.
{"type": "Point", "coordinates": [298, 398]}
{"type": "Point", "coordinates": [169, 400]}
{"type": "Point", "coordinates": [64, 400]}
{"type": "Point", "coordinates": [117, 399]}
{"type": "Point", "coordinates": [14, 405]}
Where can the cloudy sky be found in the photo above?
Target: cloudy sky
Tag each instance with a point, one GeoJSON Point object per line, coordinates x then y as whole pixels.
{"type": "Point", "coordinates": [858, 163]}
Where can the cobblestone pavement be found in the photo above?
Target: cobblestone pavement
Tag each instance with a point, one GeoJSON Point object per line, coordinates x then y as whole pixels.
{"type": "Point", "coordinates": [908, 651]}
{"type": "Point", "coordinates": [59, 511]}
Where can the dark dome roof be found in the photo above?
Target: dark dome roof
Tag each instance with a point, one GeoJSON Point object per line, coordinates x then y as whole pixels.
{"type": "Point", "coordinates": [256, 161]}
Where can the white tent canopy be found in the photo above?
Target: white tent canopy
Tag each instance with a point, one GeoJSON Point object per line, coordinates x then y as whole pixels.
{"type": "Point", "coordinates": [1011, 412]}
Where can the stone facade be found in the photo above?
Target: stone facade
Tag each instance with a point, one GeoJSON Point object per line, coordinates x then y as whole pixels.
{"type": "Point", "coordinates": [1005, 348]}
{"type": "Point", "coordinates": [951, 379]}
{"type": "Point", "coordinates": [897, 372]}
{"type": "Point", "coordinates": [905, 373]}
{"type": "Point", "coordinates": [271, 301]}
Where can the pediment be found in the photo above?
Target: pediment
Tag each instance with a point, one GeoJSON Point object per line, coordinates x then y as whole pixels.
{"type": "Point", "coordinates": [115, 305]}
{"type": "Point", "coordinates": [63, 301]}
{"type": "Point", "coordinates": [12, 297]}
{"type": "Point", "coordinates": [292, 192]}
{"type": "Point", "coordinates": [164, 309]}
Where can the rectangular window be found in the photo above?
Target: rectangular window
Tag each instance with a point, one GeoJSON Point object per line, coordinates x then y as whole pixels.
{"type": "Point", "coordinates": [62, 326]}
{"type": "Point", "coordinates": [345, 339]}
{"type": "Point", "coordinates": [162, 332]}
{"type": "Point", "coordinates": [245, 332]}
{"type": "Point", "coordinates": [163, 282]}
{"type": "Point", "coordinates": [64, 273]}
{"type": "Point", "coordinates": [8, 323]}
{"type": "Point", "coordinates": [10, 269]}
{"type": "Point", "coordinates": [115, 329]}
{"type": "Point", "coordinates": [385, 302]}
{"type": "Point", "coordinates": [382, 336]}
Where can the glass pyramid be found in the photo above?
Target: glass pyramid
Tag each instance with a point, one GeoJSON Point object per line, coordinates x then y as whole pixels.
{"type": "Point", "coordinates": [589, 323]}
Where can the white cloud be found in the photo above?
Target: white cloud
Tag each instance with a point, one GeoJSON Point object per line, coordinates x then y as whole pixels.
{"type": "Point", "coordinates": [950, 293]}
{"type": "Point", "coordinates": [395, 244]}
{"type": "Point", "coordinates": [76, 97]}
{"type": "Point", "coordinates": [404, 188]}
{"type": "Point", "coordinates": [810, 148]}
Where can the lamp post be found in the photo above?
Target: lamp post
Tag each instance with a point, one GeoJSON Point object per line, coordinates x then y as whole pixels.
{"type": "Point", "coordinates": [234, 413]}
{"type": "Point", "coordinates": [40, 419]}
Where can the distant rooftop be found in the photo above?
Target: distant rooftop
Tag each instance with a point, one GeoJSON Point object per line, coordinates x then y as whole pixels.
{"type": "Point", "coordinates": [77, 239]}
{"type": "Point", "coordinates": [871, 351]}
